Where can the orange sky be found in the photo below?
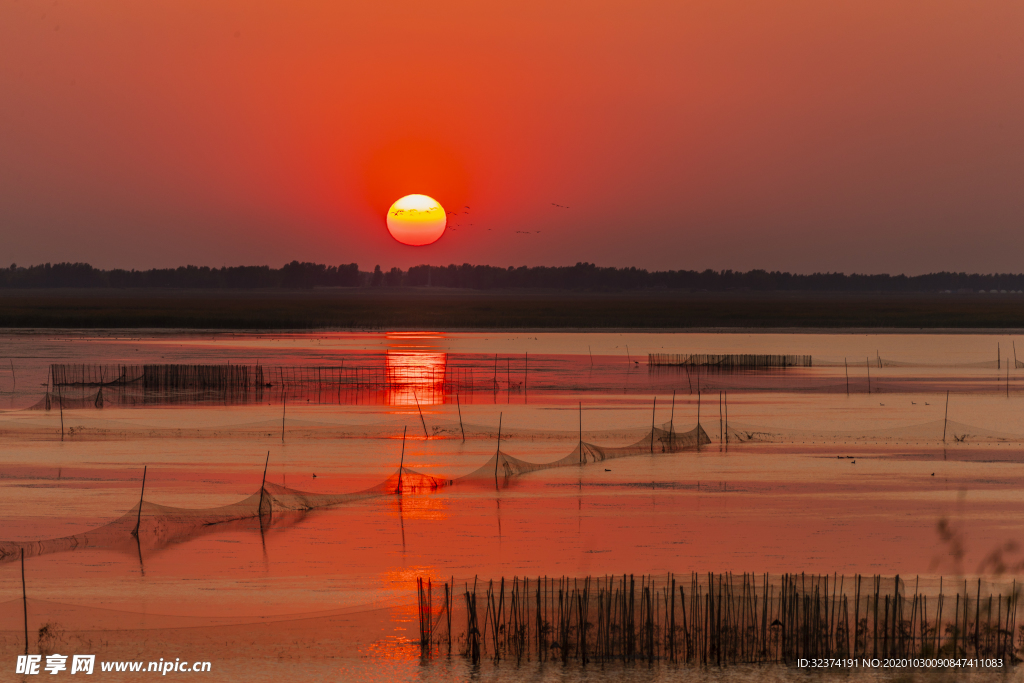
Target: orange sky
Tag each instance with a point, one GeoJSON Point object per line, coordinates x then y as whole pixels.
{"type": "Point", "coordinates": [864, 135]}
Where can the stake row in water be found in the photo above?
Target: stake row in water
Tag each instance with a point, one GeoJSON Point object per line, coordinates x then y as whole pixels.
{"type": "Point", "coordinates": [716, 620]}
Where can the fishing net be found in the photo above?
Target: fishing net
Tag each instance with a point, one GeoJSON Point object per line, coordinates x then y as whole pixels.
{"type": "Point", "coordinates": [659, 440]}
{"type": "Point", "coordinates": [163, 525]}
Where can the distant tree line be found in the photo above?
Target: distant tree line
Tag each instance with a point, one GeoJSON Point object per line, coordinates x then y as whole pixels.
{"type": "Point", "coordinates": [582, 276]}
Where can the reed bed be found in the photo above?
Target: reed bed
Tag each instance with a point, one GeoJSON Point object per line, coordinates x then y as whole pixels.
{"type": "Point", "coordinates": [241, 384]}
{"type": "Point", "coordinates": [718, 619]}
{"type": "Point", "coordinates": [729, 360]}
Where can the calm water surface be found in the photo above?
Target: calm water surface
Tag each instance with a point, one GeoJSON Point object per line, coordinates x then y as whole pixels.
{"type": "Point", "coordinates": [827, 482]}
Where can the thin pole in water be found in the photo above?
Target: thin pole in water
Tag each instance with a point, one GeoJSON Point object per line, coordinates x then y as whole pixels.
{"type": "Point", "coordinates": [846, 366]}
{"type": "Point", "coordinates": [15, 379]}
{"type": "Point", "coordinates": [284, 409]}
{"type": "Point", "coordinates": [60, 400]}
{"type": "Point", "coordinates": [24, 598]}
{"type": "Point", "coordinates": [727, 420]}
{"type": "Point", "coordinates": [581, 431]}
{"type": "Point", "coordinates": [672, 415]}
{"type": "Point", "coordinates": [721, 430]}
{"type": "Point", "coordinates": [698, 417]}
{"type": "Point", "coordinates": [526, 373]}
{"type": "Point", "coordinates": [422, 421]}
{"type": "Point", "coordinates": [1007, 378]}
{"type": "Point", "coordinates": [868, 365]}
{"type": "Point", "coordinates": [629, 359]}
{"type": "Point", "coordinates": [1014, 353]}
{"type": "Point", "coordinates": [945, 418]}
{"type": "Point", "coordinates": [259, 510]}
{"type": "Point", "coordinates": [497, 453]}
{"type": "Point", "coordinates": [401, 462]}
{"type": "Point", "coordinates": [142, 494]}
{"type": "Point", "coordinates": [459, 405]}
{"type": "Point", "coordinates": [591, 356]}
{"type": "Point", "coordinates": [654, 409]}
{"type": "Point", "coordinates": [999, 354]}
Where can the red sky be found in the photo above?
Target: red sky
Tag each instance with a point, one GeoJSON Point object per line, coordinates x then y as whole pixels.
{"type": "Point", "coordinates": [865, 135]}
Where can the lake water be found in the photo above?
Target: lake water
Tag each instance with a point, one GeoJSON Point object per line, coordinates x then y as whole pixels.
{"type": "Point", "coordinates": [817, 475]}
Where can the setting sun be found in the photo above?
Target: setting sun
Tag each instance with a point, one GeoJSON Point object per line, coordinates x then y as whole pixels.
{"type": "Point", "coordinates": [416, 220]}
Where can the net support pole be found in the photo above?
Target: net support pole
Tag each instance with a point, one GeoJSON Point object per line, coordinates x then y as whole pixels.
{"type": "Point", "coordinates": [945, 418]}
{"type": "Point", "coordinates": [526, 373]}
{"type": "Point", "coordinates": [592, 356]}
{"type": "Point", "coordinates": [867, 364]}
{"type": "Point", "coordinates": [284, 408]}
{"type": "Point", "coordinates": [672, 415]}
{"type": "Point", "coordinates": [459, 405]}
{"type": "Point", "coordinates": [24, 598]}
{"type": "Point", "coordinates": [401, 463]}
{"type": "Point", "coordinates": [60, 401]}
{"type": "Point", "coordinates": [142, 495]}
{"type": "Point", "coordinates": [420, 410]}
{"type": "Point", "coordinates": [259, 510]}
{"type": "Point", "coordinates": [698, 417]}
{"type": "Point", "coordinates": [654, 409]}
{"type": "Point", "coordinates": [14, 379]}
{"type": "Point", "coordinates": [581, 432]}
{"type": "Point", "coordinates": [726, 421]}
{"type": "Point", "coordinates": [497, 453]}
{"type": "Point", "coordinates": [846, 367]}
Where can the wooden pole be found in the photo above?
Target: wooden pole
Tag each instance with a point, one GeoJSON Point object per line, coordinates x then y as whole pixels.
{"type": "Point", "coordinates": [422, 421]}
{"type": "Point", "coordinates": [945, 418]}
{"type": "Point", "coordinates": [654, 409]}
{"type": "Point", "coordinates": [401, 463]}
{"type": "Point", "coordinates": [259, 510]}
{"type": "Point", "coordinates": [497, 453]}
{"type": "Point", "coordinates": [698, 417]}
{"type": "Point", "coordinates": [581, 431]}
{"type": "Point", "coordinates": [721, 429]}
{"type": "Point", "coordinates": [60, 400]}
{"type": "Point", "coordinates": [15, 379]}
{"type": "Point", "coordinates": [24, 598]}
{"type": "Point", "coordinates": [1014, 353]}
{"type": "Point", "coordinates": [459, 405]}
{"type": "Point", "coordinates": [526, 373]}
{"type": "Point", "coordinates": [591, 356]}
{"type": "Point", "coordinates": [846, 366]}
{"type": "Point", "coordinates": [867, 364]}
{"type": "Point", "coordinates": [672, 415]}
{"type": "Point", "coordinates": [999, 354]}
{"type": "Point", "coordinates": [284, 409]}
{"type": "Point", "coordinates": [727, 420]}
{"type": "Point", "coordinates": [142, 494]}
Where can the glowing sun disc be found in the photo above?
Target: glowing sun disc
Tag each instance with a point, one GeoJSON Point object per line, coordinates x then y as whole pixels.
{"type": "Point", "coordinates": [416, 220]}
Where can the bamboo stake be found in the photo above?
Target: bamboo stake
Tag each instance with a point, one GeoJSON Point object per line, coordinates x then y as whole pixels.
{"type": "Point", "coordinates": [142, 494]}
{"type": "Point", "coordinates": [654, 409]}
{"type": "Point", "coordinates": [459, 405]}
{"type": "Point", "coordinates": [401, 463]}
{"type": "Point", "coordinates": [420, 410]}
{"type": "Point", "coordinates": [24, 598]}
{"type": "Point", "coordinates": [945, 418]}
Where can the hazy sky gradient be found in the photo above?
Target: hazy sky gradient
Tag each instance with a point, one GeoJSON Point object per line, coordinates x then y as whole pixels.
{"type": "Point", "coordinates": [867, 135]}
